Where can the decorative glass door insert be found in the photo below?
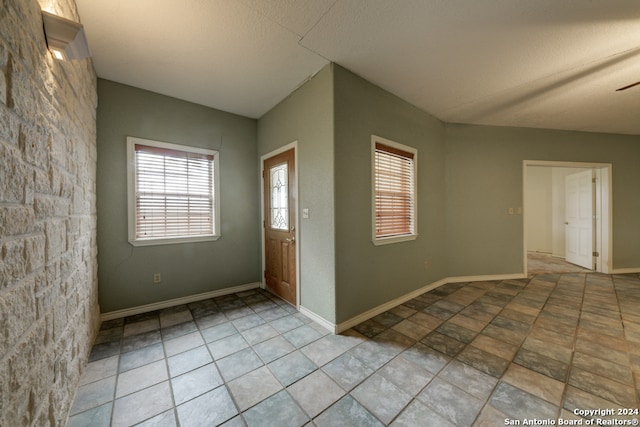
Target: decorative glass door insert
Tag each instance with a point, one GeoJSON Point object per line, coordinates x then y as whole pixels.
{"type": "Point", "coordinates": [279, 197]}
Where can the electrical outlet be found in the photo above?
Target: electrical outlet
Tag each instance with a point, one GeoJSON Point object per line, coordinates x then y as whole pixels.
{"type": "Point", "coordinates": [157, 278]}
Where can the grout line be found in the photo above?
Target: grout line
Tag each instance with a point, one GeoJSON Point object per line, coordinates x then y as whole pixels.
{"type": "Point", "coordinates": [166, 366]}
{"type": "Point", "coordinates": [565, 388]}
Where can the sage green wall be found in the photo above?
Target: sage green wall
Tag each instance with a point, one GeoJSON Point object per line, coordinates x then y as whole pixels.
{"type": "Point", "coordinates": [367, 275]}
{"type": "Point", "coordinates": [306, 116]}
{"type": "Point", "coordinates": [125, 272]}
{"type": "Point", "coordinates": [469, 176]}
{"type": "Point", "coordinates": [484, 179]}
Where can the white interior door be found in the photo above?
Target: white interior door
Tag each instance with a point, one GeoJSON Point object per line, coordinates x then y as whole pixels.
{"type": "Point", "coordinates": [579, 223]}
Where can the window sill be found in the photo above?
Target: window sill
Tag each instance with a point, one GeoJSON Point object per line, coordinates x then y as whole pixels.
{"type": "Point", "coordinates": [394, 239]}
{"type": "Point", "coordinates": [172, 240]}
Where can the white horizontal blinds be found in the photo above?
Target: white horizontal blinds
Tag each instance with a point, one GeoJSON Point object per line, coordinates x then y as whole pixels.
{"type": "Point", "coordinates": [174, 193]}
{"type": "Point", "coordinates": [394, 191]}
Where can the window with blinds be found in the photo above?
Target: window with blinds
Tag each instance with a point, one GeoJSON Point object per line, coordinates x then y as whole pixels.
{"type": "Point", "coordinates": [394, 191]}
{"type": "Point", "coordinates": [173, 193]}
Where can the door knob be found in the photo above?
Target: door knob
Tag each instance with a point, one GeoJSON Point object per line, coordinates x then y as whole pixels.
{"type": "Point", "coordinates": [292, 240]}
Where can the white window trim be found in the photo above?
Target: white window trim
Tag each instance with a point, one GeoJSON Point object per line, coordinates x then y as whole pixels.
{"type": "Point", "coordinates": [131, 193]}
{"type": "Point", "coordinates": [405, 237]}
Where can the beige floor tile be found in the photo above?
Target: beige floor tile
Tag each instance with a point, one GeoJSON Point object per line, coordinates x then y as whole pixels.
{"type": "Point", "coordinates": [614, 371]}
{"type": "Point", "coordinates": [403, 311]}
{"type": "Point", "coordinates": [523, 308]}
{"type": "Point", "coordinates": [518, 315]}
{"type": "Point", "coordinates": [493, 346]}
{"type": "Point", "coordinates": [615, 343]}
{"type": "Point", "coordinates": [412, 330]}
{"type": "Point", "coordinates": [426, 320]}
{"type": "Point", "coordinates": [490, 417]}
{"type": "Point", "coordinates": [557, 327]}
{"type": "Point", "coordinates": [613, 391]}
{"type": "Point", "coordinates": [552, 337]}
{"type": "Point", "coordinates": [537, 384]}
{"type": "Point", "coordinates": [468, 322]}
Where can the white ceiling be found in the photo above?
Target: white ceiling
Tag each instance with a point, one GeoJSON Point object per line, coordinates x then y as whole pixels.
{"type": "Point", "coordinates": [531, 63]}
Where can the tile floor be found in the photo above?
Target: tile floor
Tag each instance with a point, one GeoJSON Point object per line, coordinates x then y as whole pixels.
{"type": "Point", "coordinates": [472, 354]}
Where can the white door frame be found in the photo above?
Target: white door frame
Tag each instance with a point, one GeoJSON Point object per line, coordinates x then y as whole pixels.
{"type": "Point", "coordinates": [292, 145]}
{"type": "Point", "coordinates": [604, 197]}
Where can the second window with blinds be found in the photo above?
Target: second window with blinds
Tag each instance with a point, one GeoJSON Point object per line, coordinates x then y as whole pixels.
{"type": "Point", "coordinates": [173, 193]}
{"type": "Point", "coordinates": [394, 204]}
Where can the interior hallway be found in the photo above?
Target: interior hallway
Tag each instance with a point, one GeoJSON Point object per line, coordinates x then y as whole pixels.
{"type": "Point", "coordinates": [460, 355]}
{"type": "Point", "coordinates": [541, 263]}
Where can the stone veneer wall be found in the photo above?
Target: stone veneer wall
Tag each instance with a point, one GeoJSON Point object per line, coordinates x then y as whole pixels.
{"type": "Point", "coordinates": [49, 312]}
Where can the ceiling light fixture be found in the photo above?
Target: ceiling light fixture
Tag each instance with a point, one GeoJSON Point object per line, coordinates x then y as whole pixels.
{"type": "Point", "coordinates": [65, 38]}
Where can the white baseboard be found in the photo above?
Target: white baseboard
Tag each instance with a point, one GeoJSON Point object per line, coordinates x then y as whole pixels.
{"type": "Point", "coordinates": [341, 327]}
{"type": "Point", "coordinates": [485, 278]}
{"type": "Point", "coordinates": [331, 327]}
{"type": "Point", "coordinates": [176, 301]}
{"type": "Point", "coordinates": [625, 270]}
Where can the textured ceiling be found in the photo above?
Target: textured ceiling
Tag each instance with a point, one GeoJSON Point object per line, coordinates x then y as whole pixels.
{"type": "Point", "coordinates": [531, 63]}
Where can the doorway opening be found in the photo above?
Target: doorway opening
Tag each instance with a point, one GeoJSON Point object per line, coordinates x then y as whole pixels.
{"type": "Point", "coordinates": [567, 224]}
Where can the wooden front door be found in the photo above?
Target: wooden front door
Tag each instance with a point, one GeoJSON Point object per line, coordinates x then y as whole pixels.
{"type": "Point", "coordinates": [279, 225]}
